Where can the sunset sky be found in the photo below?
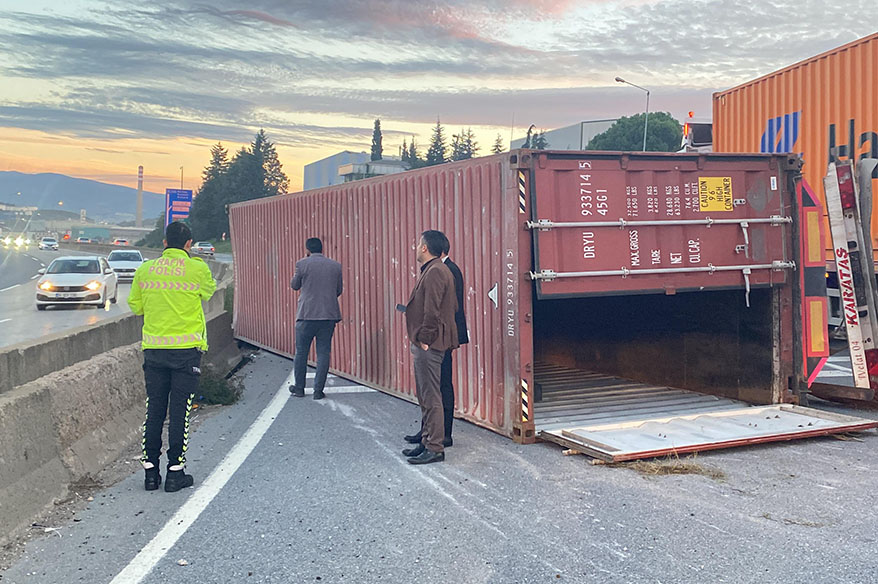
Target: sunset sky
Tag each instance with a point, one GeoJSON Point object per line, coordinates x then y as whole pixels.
{"type": "Point", "coordinates": [92, 88]}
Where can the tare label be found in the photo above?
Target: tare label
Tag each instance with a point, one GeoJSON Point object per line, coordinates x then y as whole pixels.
{"type": "Point", "coordinates": [715, 194]}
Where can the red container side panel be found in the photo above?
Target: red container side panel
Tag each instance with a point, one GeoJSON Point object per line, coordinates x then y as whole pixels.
{"type": "Point", "coordinates": [371, 227]}
{"type": "Point", "coordinates": [629, 217]}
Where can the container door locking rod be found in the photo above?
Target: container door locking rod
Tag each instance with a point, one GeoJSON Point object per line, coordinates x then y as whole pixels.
{"type": "Point", "coordinates": [547, 224]}
{"type": "Point", "coordinates": [776, 265]}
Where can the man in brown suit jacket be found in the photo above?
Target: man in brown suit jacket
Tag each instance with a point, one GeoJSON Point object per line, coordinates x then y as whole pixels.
{"type": "Point", "coordinates": [429, 317]}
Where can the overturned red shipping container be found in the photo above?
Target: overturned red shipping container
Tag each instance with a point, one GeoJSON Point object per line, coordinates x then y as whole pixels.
{"type": "Point", "coordinates": [686, 271]}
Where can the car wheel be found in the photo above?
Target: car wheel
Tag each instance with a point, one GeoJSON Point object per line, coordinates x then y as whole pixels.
{"type": "Point", "coordinates": [115, 294]}
{"type": "Point", "coordinates": [41, 306]}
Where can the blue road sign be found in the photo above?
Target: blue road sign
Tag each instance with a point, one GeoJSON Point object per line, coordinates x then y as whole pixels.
{"type": "Point", "coordinates": [177, 205]}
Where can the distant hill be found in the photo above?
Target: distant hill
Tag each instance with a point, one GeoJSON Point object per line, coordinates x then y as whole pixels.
{"type": "Point", "coordinates": [101, 201]}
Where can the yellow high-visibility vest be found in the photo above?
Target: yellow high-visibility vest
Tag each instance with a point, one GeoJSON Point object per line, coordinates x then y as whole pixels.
{"type": "Point", "coordinates": [168, 292]}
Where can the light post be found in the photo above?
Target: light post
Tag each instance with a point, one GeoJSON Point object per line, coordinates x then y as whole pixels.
{"type": "Point", "coordinates": [646, 116]}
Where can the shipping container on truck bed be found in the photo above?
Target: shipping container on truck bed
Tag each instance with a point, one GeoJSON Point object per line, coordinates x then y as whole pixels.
{"type": "Point", "coordinates": [824, 108]}
{"type": "Point", "coordinates": [607, 294]}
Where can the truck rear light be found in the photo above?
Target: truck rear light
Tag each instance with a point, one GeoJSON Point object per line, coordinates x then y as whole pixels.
{"type": "Point", "coordinates": [846, 186]}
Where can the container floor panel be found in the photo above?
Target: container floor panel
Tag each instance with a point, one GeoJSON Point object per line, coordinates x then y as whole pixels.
{"type": "Point", "coordinates": [575, 397]}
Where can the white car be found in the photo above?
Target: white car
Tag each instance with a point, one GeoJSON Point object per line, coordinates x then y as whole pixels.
{"type": "Point", "coordinates": [77, 280]}
{"type": "Point", "coordinates": [125, 263]}
{"type": "Point", "coordinates": [49, 243]}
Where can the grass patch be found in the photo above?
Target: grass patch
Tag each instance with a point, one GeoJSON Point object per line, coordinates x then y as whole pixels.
{"type": "Point", "coordinates": [223, 246]}
{"type": "Point", "coordinates": [674, 465]}
{"type": "Point", "coordinates": [216, 389]}
{"type": "Point", "coordinates": [229, 299]}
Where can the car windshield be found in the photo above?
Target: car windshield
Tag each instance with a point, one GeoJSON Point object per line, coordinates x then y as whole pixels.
{"type": "Point", "coordinates": [74, 266]}
{"type": "Point", "coordinates": [48, 240]}
{"type": "Point", "coordinates": [125, 256]}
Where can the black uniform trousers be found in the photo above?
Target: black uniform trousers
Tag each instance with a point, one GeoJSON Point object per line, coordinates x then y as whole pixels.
{"type": "Point", "coordinates": [171, 377]}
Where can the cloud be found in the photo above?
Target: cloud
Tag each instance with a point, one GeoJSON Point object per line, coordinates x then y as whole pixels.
{"type": "Point", "coordinates": [219, 71]}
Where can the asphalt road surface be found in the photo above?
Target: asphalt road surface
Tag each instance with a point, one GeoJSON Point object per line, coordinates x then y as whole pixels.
{"type": "Point", "coordinates": [291, 490]}
{"type": "Point", "coordinates": [19, 319]}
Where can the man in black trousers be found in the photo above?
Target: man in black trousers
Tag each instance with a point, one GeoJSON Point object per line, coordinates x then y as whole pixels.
{"type": "Point", "coordinates": [445, 382]}
{"type": "Point", "coordinates": [319, 282]}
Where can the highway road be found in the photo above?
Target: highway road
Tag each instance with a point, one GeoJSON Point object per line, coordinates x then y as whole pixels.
{"type": "Point", "coordinates": [19, 319]}
{"type": "Point", "coordinates": [296, 490]}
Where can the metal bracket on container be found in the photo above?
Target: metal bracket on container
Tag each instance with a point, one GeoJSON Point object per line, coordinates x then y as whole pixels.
{"type": "Point", "coordinates": [744, 227]}
{"type": "Point", "coordinates": [544, 275]}
{"type": "Point", "coordinates": [541, 224]}
{"type": "Point", "coordinates": [746, 272]}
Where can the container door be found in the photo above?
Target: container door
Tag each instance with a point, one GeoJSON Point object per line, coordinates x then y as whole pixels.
{"type": "Point", "coordinates": [615, 419]}
{"type": "Point", "coordinates": [638, 223]}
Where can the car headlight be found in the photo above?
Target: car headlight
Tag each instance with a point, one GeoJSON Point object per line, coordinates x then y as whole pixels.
{"type": "Point", "coordinates": [27, 241]}
{"type": "Point", "coordinates": [18, 241]}
{"type": "Point", "coordinates": [93, 285]}
{"type": "Point", "coordinates": [7, 241]}
{"type": "Point", "coordinates": [46, 286]}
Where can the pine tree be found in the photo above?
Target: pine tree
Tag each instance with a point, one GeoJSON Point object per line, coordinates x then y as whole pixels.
{"type": "Point", "coordinates": [457, 146]}
{"type": "Point", "coordinates": [415, 160]}
{"type": "Point", "coordinates": [470, 145]}
{"type": "Point", "coordinates": [404, 153]}
{"type": "Point", "coordinates": [218, 165]}
{"type": "Point", "coordinates": [497, 148]}
{"type": "Point", "coordinates": [437, 153]}
{"type": "Point", "coordinates": [376, 141]}
{"type": "Point", "coordinates": [540, 142]}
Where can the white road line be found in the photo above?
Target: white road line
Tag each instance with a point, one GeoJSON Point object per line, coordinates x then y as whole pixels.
{"type": "Point", "coordinates": [34, 259]}
{"type": "Point", "coordinates": [10, 288]}
{"type": "Point", "coordinates": [5, 320]}
{"type": "Point", "coordinates": [830, 373]}
{"type": "Point", "coordinates": [35, 276]}
{"type": "Point", "coordinates": [183, 519]}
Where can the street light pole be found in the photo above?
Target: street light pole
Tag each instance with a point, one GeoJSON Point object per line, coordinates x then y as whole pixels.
{"type": "Point", "coordinates": [646, 113]}
{"type": "Point", "coordinates": [181, 178]}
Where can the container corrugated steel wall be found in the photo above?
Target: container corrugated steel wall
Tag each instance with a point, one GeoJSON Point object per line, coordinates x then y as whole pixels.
{"type": "Point", "coordinates": [483, 205]}
{"type": "Point", "coordinates": [827, 101]}
{"type": "Point", "coordinates": [371, 227]}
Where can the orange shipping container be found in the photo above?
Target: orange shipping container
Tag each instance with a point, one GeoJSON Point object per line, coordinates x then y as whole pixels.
{"type": "Point", "coordinates": [820, 107]}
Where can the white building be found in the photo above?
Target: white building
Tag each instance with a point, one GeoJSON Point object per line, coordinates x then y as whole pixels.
{"type": "Point", "coordinates": [370, 168]}
{"type": "Point", "coordinates": [324, 173]}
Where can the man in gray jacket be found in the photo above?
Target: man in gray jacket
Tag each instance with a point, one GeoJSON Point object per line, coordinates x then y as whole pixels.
{"type": "Point", "coordinates": [318, 279]}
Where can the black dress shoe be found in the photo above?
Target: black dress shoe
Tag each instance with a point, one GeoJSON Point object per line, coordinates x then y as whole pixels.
{"type": "Point", "coordinates": [153, 479]}
{"type": "Point", "coordinates": [177, 480]}
{"type": "Point", "coordinates": [447, 441]}
{"type": "Point", "coordinates": [426, 457]}
{"type": "Point", "coordinates": [413, 438]}
{"type": "Point", "coordinates": [319, 395]}
{"type": "Point", "coordinates": [417, 450]}
{"type": "Point", "coordinates": [297, 392]}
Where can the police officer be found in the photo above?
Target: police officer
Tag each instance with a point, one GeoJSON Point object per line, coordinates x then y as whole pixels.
{"type": "Point", "coordinates": [168, 292]}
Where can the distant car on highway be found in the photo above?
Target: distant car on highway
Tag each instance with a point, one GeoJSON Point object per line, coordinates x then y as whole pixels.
{"type": "Point", "coordinates": [49, 243]}
{"type": "Point", "coordinates": [203, 248]}
{"type": "Point", "coordinates": [83, 240]}
{"type": "Point", "coordinates": [77, 280]}
{"type": "Point", "coordinates": [120, 241]}
{"type": "Point", "coordinates": [125, 263]}
{"type": "Point", "coordinates": [18, 242]}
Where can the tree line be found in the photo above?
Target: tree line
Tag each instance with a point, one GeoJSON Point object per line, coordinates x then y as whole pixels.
{"type": "Point", "coordinates": [253, 172]}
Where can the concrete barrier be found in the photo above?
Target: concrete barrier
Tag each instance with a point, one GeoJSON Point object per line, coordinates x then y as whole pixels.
{"type": "Point", "coordinates": [30, 360]}
{"type": "Point", "coordinates": [71, 403]}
